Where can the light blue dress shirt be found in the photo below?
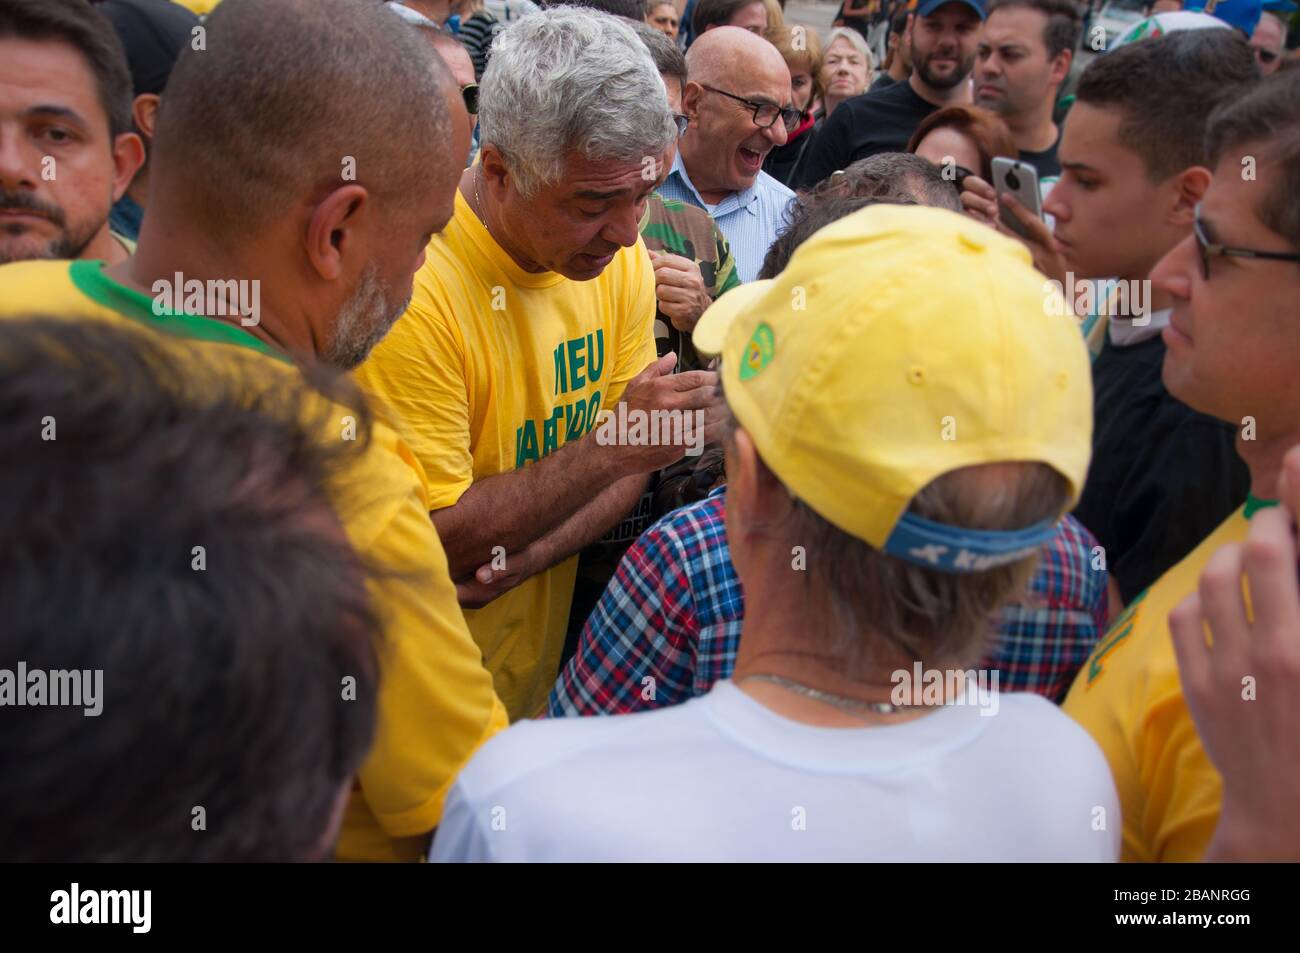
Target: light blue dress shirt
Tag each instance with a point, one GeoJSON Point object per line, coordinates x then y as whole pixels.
{"type": "Point", "coordinates": [750, 219]}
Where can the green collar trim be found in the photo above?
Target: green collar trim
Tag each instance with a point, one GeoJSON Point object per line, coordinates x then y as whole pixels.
{"type": "Point", "coordinates": [90, 280]}
{"type": "Point", "coordinates": [1254, 504]}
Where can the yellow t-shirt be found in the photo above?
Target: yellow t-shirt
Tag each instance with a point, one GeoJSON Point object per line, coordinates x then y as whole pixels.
{"type": "Point", "coordinates": [1130, 700]}
{"type": "Point", "coordinates": [492, 368]}
{"type": "Point", "coordinates": [436, 703]}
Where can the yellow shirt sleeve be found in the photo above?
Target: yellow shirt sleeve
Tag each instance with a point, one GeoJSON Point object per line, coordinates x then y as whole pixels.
{"type": "Point", "coordinates": [419, 373]}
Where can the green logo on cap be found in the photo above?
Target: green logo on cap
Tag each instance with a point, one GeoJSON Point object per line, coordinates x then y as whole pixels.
{"type": "Point", "coordinates": [758, 352]}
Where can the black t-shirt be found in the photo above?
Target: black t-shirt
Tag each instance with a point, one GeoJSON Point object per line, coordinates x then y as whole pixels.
{"type": "Point", "coordinates": [880, 121]}
{"type": "Point", "coordinates": [784, 162]}
{"type": "Point", "coordinates": [881, 81]}
{"type": "Point", "coordinates": [1162, 476]}
{"type": "Point", "coordinates": [1045, 162]}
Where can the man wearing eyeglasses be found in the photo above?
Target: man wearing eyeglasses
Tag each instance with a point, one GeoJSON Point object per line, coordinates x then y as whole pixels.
{"type": "Point", "coordinates": [1231, 351]}
{"type": "Point", "coordinates": [737, 103]}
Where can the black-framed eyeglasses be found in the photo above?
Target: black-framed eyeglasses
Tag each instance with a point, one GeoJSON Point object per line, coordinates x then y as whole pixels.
{"type": "Point", "coordinates": [1211, 249]}
{"type": "Point", "coordinates": [470, 94]}
{"type": "Point", "coordinates": [682, 123]}
{"type": "Point", "coordinates": [765, 114]}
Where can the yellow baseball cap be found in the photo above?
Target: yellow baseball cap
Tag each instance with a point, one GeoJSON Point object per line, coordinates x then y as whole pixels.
{"type": "Point", "coordinates": [899, 344]}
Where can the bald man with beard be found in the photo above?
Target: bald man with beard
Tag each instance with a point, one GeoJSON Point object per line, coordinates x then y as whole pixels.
{"type": "Point", "coordinates": [739, 106]}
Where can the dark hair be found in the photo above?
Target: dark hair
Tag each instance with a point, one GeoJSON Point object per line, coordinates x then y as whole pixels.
{"type": "Point", "coordinates": [223, 667]}
{"type": "Point", "coordinates": [79, 25]}
{"type": "Point", "coordinates": [1064, 25]}
{"type": "Point", "coordinates": [897, 177]}
{"type": "Point", "coordinates": [898, 22]}
{"type": "Point", "coordinates": [304, 85]}
{"type": "Point", "coordinates": [987, 130]}
{"type": "Point", "coordinates": [1165, 88]}
{"type": "Point", "coordinates": [628, 9]}
{"type": "Point", "coordinates": [1267, 117]}
{"type": "Point", "coordinates": [668, 56]}
{"type": "Point", "coordinates": [716, 13]}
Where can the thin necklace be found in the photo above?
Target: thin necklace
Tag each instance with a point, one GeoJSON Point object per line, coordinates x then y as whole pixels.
{"type": "Point", "coordinates": [836, 701]}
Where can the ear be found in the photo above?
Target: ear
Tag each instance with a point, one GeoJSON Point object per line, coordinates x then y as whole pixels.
{"type": "Point", "coordinates": [494, 171]}
{"type": "Point", "coordinates": [145, 113]}
{"type": "Point", "coordinates": [128, 156]}
{"type": "Point", "coordinates": [1190, 187]}
{"type": "Point", "coordinates": [1060, 68]}
{"type": "Point", "coordinates": [742, 480]}
{"type": "Point", "coordinates": [691, 99]}
{"type": "Point", "coordinates": [334, 231]}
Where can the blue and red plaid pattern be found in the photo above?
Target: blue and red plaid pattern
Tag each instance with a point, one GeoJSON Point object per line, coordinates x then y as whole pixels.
{"type": "Point", "coordinates": [667, 626]}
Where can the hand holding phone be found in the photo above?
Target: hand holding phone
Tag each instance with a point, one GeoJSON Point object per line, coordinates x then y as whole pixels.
{"type": "Point", "coordinates": [1021, 180]}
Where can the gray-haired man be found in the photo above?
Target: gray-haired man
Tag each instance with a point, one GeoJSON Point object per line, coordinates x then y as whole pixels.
{"type": "Point", "coordinates": [533, 313]}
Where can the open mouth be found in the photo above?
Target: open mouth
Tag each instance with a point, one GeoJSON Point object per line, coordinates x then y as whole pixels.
{"type": "Point", "coordinates": [751, 159]}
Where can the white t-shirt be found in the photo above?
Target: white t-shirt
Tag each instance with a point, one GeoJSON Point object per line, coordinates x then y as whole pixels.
{"type": "Point", "coordinates": [722, 778]}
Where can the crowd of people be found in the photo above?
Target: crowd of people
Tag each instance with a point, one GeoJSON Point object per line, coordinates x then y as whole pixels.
{"type": "Point", "coordinates": [890, 429]}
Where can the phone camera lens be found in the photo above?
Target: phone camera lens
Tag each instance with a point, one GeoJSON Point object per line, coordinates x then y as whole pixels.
{"type": "Point", "coordinates": [1013, 180]}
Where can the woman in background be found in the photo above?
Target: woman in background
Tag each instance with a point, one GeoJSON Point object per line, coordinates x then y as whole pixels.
{"type": "Point", "coordinates": [962, 140]}
{"type": "Point", "coordinates": [802, 50]}
{"type": "Point", "coordinates": [845, 70]}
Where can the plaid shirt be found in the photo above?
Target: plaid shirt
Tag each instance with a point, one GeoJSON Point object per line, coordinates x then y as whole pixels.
{"type": "Point", "coordinates": [668, 625]}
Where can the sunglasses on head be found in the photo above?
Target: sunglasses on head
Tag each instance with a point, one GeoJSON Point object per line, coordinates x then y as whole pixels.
{"type": "Point", "coordinates": [470, 94]}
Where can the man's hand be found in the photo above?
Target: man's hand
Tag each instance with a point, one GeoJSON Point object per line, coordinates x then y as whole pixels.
{"type": "Point", "coordinates": [980, 202]}
{"type": "Point", "coordinates": [658, 389]}
{"type": "Point", "coordinates": [1243, 691]}
{"type": "Point", "coordinates": [679, 288]}
{"type": "Point", "coordinates": [500, 576]}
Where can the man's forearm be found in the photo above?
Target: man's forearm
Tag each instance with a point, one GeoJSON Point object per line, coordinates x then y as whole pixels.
{"type": "Point", "coordinates": [514, 509]}
{"type": "Point", "coordinates": [594, 520]}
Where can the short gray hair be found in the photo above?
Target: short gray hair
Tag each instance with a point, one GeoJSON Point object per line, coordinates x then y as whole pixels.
{"type": "Point", "coordinates": [570, 78]}
{"type": "Point", "coordinates": [856, 41]}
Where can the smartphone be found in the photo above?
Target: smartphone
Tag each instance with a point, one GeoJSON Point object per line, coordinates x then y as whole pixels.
{"type": "Point", "coordinates": [1021, 180]}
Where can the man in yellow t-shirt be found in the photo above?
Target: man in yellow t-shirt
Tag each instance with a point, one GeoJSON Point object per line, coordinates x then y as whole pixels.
{"type": "Point", "coordinates": [294, 261]}
{"type": "Point", "coordinates": [1233, 353]}
{"type": "Point", "coordinates": [533, 314]}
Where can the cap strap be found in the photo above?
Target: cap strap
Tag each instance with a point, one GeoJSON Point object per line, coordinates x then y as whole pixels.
{"type": "Point", "coordinates": [952, 549]}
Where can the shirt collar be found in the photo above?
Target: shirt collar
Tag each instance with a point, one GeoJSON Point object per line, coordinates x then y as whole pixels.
{"type": "Point", "coordinates": [1125, 332]}
{"type": "Point", "coordinates": [746, 199]}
